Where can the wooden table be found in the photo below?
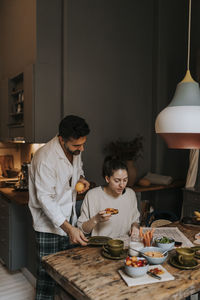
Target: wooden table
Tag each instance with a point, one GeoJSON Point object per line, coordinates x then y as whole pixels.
{"type": "Point", "coordinates": [85, 274]}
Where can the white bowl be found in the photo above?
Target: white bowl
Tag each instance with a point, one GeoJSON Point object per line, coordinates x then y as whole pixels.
{"type": "Point", "coordinates": [165, 246]}
{"type": "Point", "coordinates": [154, 260]}
{"type": "Point", "coordinates": [136, 271]}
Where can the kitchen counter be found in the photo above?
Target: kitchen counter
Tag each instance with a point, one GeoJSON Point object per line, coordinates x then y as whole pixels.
{"type": "Point", "coordinates": [14, 231]}
{"type": "Point", "coordinates": [20, 197]}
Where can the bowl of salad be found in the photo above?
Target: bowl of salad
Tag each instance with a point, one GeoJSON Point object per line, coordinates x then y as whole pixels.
{"type": "Point", "coordinates": [165, 243]}
{"type": "Point", "coordinates": [136, 266]}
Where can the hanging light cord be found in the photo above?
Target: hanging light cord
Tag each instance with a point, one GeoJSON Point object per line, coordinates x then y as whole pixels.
{"type": "Point", "coordinates": [189, 30]}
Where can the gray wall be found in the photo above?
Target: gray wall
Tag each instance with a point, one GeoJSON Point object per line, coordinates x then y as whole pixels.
{"type": "Point", "coordinates": [122, 62]}
{"type": "Point", "coordinates": [108, 71]}
{"type": "Point", "coordinates": [17, 35]}
{"type": "Point", "coordinates": [48, 69]}
{"type": "Point", "coordinates": [170, 69]}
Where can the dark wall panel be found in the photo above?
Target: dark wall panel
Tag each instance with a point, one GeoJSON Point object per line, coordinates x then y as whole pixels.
{"type": "Point", "coordinates": [108, 71]}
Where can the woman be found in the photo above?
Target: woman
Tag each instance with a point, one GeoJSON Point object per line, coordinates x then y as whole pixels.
{"type": "Point", "coordinates": [114, 194]}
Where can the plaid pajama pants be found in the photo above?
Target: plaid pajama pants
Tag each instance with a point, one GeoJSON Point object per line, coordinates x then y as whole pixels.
{"type": "Point", "coordinates": [47, 243]}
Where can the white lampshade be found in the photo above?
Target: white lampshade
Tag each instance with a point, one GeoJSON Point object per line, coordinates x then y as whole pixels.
{"type": "Point", "coordinates": [179, 123]}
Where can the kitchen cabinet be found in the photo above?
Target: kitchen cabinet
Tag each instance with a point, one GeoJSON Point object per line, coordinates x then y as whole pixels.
{"type": "Point", "coordinates": [17, 237]}
{"type": "Point", "coordinates": [31, 109]}
{"type": "Point", "coordinates": [12, 234]}
{"type": "Point", "coordinates": [16, 101]}
{"type": "Point", "coordinates": [4, 109]}
{"type": "Point", "coordinates": [31, 87]}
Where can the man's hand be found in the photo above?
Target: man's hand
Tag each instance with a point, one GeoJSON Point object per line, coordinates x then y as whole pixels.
{"type": "Point", "coordinates": [86, 185]}
{"type": "Point", "coordinates": [76, 235]}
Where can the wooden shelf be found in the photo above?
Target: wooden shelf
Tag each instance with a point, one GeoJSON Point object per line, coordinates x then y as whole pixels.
{"type": "Point", "coordinates": [157, 187]}
{"type": "Point", "coordinates": [16, 114]}
{"type": "Point", "coordinates": [15, 125]}
{"type": "Point", "coordinates": [16, 102]}
{"type": "Point", "coordinates": [17, 92]}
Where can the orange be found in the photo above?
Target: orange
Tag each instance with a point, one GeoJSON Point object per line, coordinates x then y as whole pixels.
{"type": "Point", "coordinates": [79, 187]}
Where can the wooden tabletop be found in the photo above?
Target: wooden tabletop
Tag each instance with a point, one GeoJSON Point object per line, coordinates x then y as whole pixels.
{"type": "Point", "coordinates": [85, 274]}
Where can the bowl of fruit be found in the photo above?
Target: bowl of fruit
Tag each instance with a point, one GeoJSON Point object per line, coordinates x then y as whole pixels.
{"type": "Point", "coordinates": [164, 243]}
{"type": "Point", "coordinates": [136, 266]}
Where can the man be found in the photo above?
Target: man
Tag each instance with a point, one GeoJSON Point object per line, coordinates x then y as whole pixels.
{"type": "Point", "coordinates": [55, 169]}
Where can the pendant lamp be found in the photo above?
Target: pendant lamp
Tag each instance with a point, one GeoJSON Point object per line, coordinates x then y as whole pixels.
{"type": "Point", "coordinates": [179, 123]}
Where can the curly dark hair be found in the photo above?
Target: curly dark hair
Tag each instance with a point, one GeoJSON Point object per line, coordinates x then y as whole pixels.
{"type": "Point", "coordinates": [112, 164]}
{"type": "Point", "coordinates": [73, 127]}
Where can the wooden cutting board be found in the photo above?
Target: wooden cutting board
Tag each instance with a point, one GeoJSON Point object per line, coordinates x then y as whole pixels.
{"type": "Point", "coordinates": [6, 162]}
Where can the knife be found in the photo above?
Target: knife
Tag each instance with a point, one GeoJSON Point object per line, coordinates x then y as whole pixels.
{"type": "Point", "coordinates": [153, 275]}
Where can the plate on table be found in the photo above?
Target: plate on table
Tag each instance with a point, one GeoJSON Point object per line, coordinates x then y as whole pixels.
{"type": "Point", "coordinates": [98, 240]}
{"type": "Point", "coordinates": [197, 254]}
{"type": "Point", "coordinates": [108, 255]}
{"type": "Point", "coordinates": [175, 263]}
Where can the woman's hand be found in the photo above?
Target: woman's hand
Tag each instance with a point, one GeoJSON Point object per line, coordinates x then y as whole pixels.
{"type": "Point", "coordinates": [134, 230]}
{"type": "Point", "coordinates": [89, 225]}
{"type": "Point", "coordinates": [102, 216]}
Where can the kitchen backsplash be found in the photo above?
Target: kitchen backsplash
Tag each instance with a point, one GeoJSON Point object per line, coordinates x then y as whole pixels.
{"type": "Point", "coordinates": [11, 149]}
{"type": "Point", "coordinates": [20, 152]}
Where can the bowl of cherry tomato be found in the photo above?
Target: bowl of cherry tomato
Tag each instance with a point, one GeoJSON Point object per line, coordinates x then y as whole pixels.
{"type": "Point", "coordinates": [136, 266]}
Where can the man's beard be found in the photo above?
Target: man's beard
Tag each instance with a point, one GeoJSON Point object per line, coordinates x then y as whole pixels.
{"type": "Point", "coordinates": [75, 152]}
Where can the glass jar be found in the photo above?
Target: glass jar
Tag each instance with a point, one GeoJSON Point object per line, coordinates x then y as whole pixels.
{"type": "Point", "coordinates": [135, 243]}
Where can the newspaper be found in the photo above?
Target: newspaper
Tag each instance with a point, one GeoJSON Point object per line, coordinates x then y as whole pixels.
{"type": "Point", "coordinates": [170, 232]}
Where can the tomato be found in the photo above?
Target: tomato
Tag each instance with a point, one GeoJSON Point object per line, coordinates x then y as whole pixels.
{"type": "Point", "coordinates": [128, 262]}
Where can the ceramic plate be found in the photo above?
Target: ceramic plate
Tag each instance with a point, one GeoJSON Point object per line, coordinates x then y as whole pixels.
{"type": "Point", "coordinates": [197, 236]}
{"type": "Point", "coordinates": [108, 255]}
{"type": "Point", "coordinates": [196, 248]}
{"type": "Point", "coordinates": [174, 262]}
{"type": "Point", "coordinates": [98, 240]}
